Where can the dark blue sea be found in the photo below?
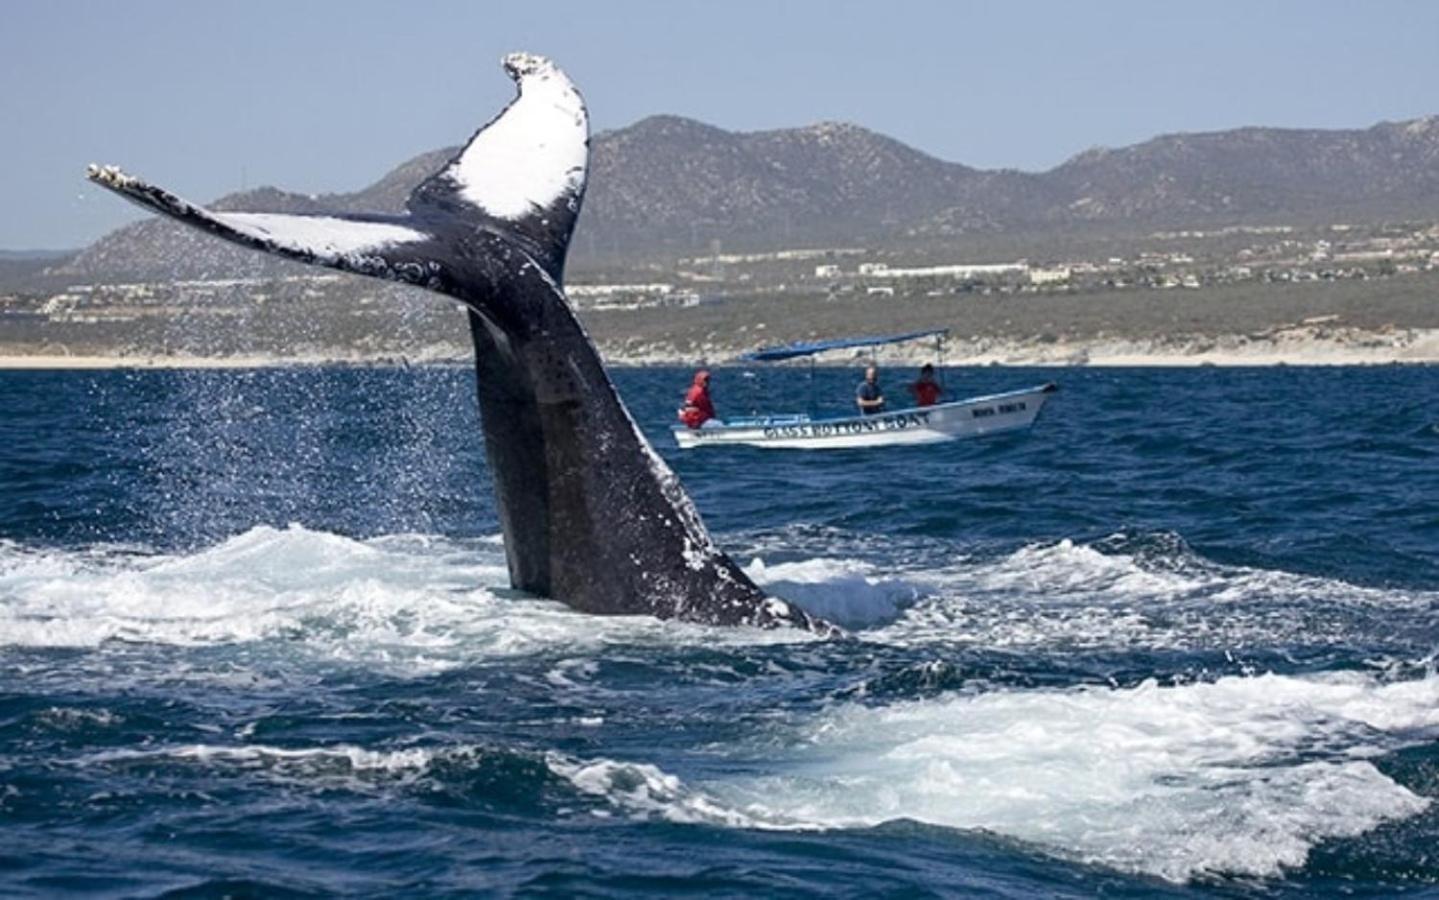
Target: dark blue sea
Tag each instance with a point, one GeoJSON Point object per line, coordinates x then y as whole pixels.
{"type": "Point", "coordinates": [1178, 639]}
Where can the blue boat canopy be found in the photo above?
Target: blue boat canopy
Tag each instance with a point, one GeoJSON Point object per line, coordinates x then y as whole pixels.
{"type": "Point", "coordinates": [809, 348]}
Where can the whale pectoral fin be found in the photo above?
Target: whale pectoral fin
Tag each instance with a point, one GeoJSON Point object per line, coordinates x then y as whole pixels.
{"type": "Point", "coordinates": [522, 174]}
{"type": "Point", "coordinates": [370, 246]}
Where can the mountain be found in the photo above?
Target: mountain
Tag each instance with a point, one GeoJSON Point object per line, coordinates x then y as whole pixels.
{"type": "Point", "coordinates": [1392, 168]}
{"type": "Point", "coordinates": [21, 266]}
{"type": "Point", "coordinates": [672, 185]}
{"type": "Point", "coordinates": [34, 255]}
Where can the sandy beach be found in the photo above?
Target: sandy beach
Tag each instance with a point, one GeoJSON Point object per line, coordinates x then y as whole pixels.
{"type": "Point", "coordinates": [1298, 346]}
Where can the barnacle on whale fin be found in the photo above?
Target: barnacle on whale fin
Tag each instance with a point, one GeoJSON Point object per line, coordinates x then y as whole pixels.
{"type": "Point", "coordinates": [518, 65]}
{"type": "Point", "coordinates": [109, 176]}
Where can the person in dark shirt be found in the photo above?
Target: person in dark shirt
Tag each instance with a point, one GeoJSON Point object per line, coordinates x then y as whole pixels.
{"type": "Point", "coordinates": [698, 408]}
{"type": "Point", "coordinates": [926, 390]}
{"type": "Point", "coordinates": [868, 395]}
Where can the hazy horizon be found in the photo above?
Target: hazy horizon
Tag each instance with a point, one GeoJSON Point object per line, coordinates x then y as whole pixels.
{"type": "Point", "coordinates": [328, 97]}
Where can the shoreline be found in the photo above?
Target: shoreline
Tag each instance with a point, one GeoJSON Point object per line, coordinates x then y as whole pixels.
{"type": "Point", "coordinates": [1287, 347]}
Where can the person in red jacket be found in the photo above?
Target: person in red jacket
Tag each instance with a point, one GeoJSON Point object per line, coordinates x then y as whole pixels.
{"type": "Point", "coordinates": [926, 390]}
{"type": "Point", "coordinates": [698, 408]}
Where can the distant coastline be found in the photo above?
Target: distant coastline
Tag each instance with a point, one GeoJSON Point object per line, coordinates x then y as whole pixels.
{"type": "Point", "coordinates": [1302, 345]}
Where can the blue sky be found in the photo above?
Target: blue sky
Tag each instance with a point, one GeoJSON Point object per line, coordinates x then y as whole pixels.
{"type": "Point", "coordinates": [322, 96]}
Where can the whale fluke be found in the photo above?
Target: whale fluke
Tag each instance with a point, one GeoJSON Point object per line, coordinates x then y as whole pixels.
{"type": "Point", "coordinates": [365, 245]}
{"type": "Point", "coordinates": [591, 515]}
{"type": "Point", "coordinates": [524, 172]}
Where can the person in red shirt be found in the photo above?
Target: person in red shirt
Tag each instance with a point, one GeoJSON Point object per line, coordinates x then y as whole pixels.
{"type": "Point", "coordinates": [926, 390]}
{"type": "Point", "coordinates": [698, 407]}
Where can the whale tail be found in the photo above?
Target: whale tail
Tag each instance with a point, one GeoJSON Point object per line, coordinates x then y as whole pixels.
{"type": "Point", "coordinates": [591, 515]}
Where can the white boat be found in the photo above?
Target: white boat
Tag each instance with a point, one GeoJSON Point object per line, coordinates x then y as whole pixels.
{"type": "Point", "coordinates": [971, 417]}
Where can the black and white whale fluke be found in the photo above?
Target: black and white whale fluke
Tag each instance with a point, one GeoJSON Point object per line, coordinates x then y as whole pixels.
{"type": "Point", "coordinates": [591, 515]}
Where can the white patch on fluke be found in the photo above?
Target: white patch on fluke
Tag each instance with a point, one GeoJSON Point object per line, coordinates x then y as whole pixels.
{"type": "Point", "coordinates": [535, 152]}
{"type": "Point", "coordinates": [330, 240]}
{"type": "Point", "coordinates": [321, 235]}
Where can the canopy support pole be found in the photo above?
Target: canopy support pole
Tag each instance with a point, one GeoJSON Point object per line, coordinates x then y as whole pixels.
{"type": "Point", "coordinates": [943, 364]}
{"type": "Point", "coordinates": [813, 408]}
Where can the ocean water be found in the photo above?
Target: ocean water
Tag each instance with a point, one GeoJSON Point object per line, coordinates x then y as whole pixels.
{"type": "Point", "coordinates": [1180, 638]}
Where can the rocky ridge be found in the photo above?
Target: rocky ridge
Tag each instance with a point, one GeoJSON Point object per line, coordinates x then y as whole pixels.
{"type": "Point", "coordinates": [669, 185]}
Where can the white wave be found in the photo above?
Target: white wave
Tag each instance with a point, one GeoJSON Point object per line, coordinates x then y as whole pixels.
{"type": "Point", "coordinates": [1077, 596]}
{"type": "Point", "coordinates": [639, 790]}
{"type": "Point", "coordinates": [420, 603]}
{"type": "Point", "coordinates": [263, 583]}
{"type": "Point", "coordinates": [337, 757]}
{"type": "Point", "coordinates": [645, 791]}
{"type": "Point", "coordinates": [62, 718]}
{"type": "Point", "coordinates": [338, 766]}
{"type": "Point", "coordinates": [846, 592]}
{"type": "Point", "coordinates": [1241, 776]}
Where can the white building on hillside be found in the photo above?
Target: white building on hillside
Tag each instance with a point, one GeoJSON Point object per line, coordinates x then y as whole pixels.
{"type": "Point", "coordinates": [1056, 275]}
{"type": "Point", "coordinates": [958, 271]}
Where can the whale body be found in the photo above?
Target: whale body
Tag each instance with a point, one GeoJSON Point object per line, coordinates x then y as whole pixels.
{"type": "Point", "coordinates": [591, 515]}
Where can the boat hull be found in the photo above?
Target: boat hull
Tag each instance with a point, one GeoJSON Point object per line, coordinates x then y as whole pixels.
{"type": "Point", "coordinates": [973, 417]}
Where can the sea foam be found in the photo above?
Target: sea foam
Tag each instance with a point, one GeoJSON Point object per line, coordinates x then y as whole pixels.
{"type": "Point", "coordinates": [1242, 776]}
{"type": "Point", "coordinates": [409, 602]}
